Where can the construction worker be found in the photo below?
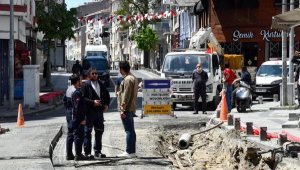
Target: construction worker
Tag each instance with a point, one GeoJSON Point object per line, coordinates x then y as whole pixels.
{"type": "Point", "coordinates": [199, 78]}
{"type": "Point", "coordinates": [228, 78]}
{"type": "Point", "coordinates": [78, 117]}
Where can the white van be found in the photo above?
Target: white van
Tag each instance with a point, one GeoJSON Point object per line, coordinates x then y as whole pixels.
{"type": "Point", "coordinates": [268, 78]}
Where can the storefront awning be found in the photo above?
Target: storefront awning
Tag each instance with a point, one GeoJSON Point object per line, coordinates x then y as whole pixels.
{"type": "Point", "coordinates": [286, 20]}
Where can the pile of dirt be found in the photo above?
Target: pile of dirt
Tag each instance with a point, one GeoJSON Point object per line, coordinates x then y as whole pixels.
{"type": "Point", "coordinates": [216, 149]}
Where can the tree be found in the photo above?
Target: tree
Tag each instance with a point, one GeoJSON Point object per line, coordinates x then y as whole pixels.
{"type": "Point", "coordinates": [145, 37]}
{"type": "Point", "coordinates": [55, 23]}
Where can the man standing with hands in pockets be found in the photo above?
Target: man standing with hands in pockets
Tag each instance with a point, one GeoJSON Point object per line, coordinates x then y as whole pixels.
{"type": "Point", "coordinates": [128, 95]}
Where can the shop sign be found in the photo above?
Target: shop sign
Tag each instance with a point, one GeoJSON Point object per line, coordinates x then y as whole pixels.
{"type": "Point", "coordinates": [267, 34]}
{"type": "Point", "coordinates": [240, 35]}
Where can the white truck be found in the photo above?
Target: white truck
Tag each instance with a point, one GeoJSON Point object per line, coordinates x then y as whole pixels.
{"type": "Point", "coordinates": [179, 67]}
{"type": "Point", "coordinates": [96, 51]}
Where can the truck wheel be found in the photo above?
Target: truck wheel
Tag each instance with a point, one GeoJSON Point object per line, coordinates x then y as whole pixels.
{"type": "Point", "coordinates": [174, 106]}
{"type": "Point", "coordinates": [216, 101]}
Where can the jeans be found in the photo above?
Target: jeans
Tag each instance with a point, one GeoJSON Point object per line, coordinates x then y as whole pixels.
{"type": "Point", "coordinates": [78, 138]}
{"type": "Point", "coordinates": [93, 120]}
{"type": "Point", "coordinates": [128, 124]}
{"type": "Point", "coordinates": [228, 97]}
{"type": "Point", "coordinates": [70, 135]}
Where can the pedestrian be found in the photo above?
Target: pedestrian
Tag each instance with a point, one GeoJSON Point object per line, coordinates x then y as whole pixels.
{"type": "Point", "coordinates": [78, 117]}
{"type": "Point", "coordinates": [245, 77]}
{"type": "Point", "coordinates": [199, 78]}
{"type": "Point", "coordinates": [228, 78]}
{"type": "Point", "coordinates": [97, 100]}
{"type": "Point", "coordinates": [158, 64]}
{"type": "Point", "coordinates": [67, 100]}
{"type": "Point", "coordinates": [296, 61]}
{"type": "Point", "coordinates": [76, 68]}
{"type": "Point", "coordinates": [128, 95]}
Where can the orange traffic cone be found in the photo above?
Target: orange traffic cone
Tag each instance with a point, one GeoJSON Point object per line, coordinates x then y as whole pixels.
{"type": "Point", "coordinates": [20, 121]}
{"type": "Point", "coordinates": [224, 108]}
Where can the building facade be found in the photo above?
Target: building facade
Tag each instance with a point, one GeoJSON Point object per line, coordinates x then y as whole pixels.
{"type": "Point", "coordinates": [25, 43]}
{"type": "Point", "coordinates": [244, 27]}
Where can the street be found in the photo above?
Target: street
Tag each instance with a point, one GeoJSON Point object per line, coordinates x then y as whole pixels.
{"type": "Point", "coordinates": [28, 146]}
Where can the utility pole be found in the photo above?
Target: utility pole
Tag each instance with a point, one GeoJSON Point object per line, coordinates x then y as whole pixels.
{"type": "Point", "coordinates": [11, 57]}
{"type": "Point", "coordinates": [284, 56]}
{"type": "Point", "coordinates": [291, 49]}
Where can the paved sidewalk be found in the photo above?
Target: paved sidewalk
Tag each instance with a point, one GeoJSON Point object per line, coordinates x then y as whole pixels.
{"type": "Point", "coordinates": [262, 116]}
{"type": "Point", "coordinates": [43, 107]}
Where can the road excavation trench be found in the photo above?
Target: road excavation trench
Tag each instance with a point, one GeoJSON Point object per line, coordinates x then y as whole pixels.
{"type": "Point", "coordinates": [216, 149]}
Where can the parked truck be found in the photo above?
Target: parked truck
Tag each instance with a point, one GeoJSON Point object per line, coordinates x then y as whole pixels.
{"type": "Point", "coordinates": [178, 66]}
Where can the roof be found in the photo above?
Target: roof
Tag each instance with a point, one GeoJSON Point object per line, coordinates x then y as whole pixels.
{"type": "Point", "coordinates": [274, 62]}
{"type": "Point", "coordinates": [95, 48]}
{"type": "Point", "coordinates": [188, 52]}
{"type": "Point", "coordinates": [286, 20]}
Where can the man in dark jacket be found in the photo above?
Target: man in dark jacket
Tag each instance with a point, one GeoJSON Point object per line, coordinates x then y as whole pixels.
{"type": "Point", "coordinates": [200, 78]}
{"type": "Point", "coordinates": [97, 100]}
{"type": "Point", "coordinates": [77, 69]}
{"type": "Point", "coordinates": [78, 117]}
{"type": "Point", "coordinates": [296, 61]}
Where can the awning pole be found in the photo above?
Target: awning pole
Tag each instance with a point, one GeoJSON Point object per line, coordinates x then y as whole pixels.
{"type": "Point", "coordinates": [284, 56]}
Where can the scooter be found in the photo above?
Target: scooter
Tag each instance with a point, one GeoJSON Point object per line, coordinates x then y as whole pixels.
{"type": "Point", "coordinates": [243, 98]}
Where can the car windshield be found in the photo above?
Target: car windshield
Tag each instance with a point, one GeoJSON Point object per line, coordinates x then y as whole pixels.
{"type": "Point", "coordinates": [96, 53]}
{"type": "Point", "coordinates": [185, 63]}
{"type": "Point", "coordinates": [270, 71]}
{"type": "Point", "coordinates": [101, 64]}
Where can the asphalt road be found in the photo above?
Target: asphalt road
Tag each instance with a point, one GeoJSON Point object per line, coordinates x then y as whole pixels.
{"type": "Point", "coordinates": [27, 147]}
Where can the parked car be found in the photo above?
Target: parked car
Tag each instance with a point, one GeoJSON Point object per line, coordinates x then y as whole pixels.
{"type": "Point", "coordinates": [268, 78]}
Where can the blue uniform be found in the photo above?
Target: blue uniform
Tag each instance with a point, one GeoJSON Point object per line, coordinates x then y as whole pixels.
{"type": "Point", "coordinates": [68, 105]}
{"type": "Point", "coordinates": [78, 111]}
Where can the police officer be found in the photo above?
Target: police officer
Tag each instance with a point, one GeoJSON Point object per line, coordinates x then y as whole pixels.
{"type": "Point", "coordinates": [68, 105]}
{"type": "Point", "coordinates": [78, 119]}
{"type": "Point", "coordinates": [199, 78]}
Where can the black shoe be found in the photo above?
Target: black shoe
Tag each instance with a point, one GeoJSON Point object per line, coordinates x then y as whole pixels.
{"type": "Point", "coordinates": [89, 156]}
{"type": "Point", "coordinates": [80, 158]}
{"type": "Point", "coordinates": [134, 115]}
{"type": "Point", "coordinates": [195, 113]}
{"type": "Point", "coordinates": [70, 157]}
{"type": "Point", "coordinates": [100, 155]}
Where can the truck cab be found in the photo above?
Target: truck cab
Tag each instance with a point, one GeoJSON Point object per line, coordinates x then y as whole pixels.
{"type": "Point", "coordinates": [179, 66]}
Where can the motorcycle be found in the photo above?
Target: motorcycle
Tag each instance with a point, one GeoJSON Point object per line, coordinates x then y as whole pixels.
{"type": "Point", "coordinates": [243, 97]}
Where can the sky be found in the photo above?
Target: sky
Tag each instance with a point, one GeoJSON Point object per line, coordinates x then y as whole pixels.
{"type": "Point", "coordinates": [74, 3]}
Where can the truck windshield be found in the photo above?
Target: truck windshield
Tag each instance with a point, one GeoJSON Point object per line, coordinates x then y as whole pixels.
{"type": "Point", "coordinates": [270, 71]}
{"type": "Point", "coordinates": [96, 53]}
{"type": "Point", "coordinates": [185, 63]}
{"type": "Point", "coordinates": [101, 64]}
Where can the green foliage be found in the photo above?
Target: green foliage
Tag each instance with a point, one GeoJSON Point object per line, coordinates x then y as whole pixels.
{"type": "Point", "coordinates": [132, 7]}
{"type": "Point", "coordinates": [57, 23]}
{"type": "Point", "coordinates": [146, 39]}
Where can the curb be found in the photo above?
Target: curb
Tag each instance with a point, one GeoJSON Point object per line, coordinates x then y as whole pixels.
{"type": "Point", "coordinates": [54, 142]}
{"type": "Point", "coordinates": [48, 108]}
{"type": "Point", "coordinates": [294, 107]}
